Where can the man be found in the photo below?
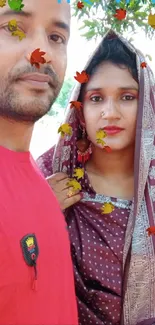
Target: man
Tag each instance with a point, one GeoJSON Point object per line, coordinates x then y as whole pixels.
{"type": "Point", "coordinates": [36, 279]}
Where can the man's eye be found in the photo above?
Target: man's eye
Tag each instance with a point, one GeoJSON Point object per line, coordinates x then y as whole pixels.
{"type": "Point", "coordinates": [10, 30]}
{"type": "Point", "coordinates": [6, 28]}
{"type": "Point", "coordinates": [96, 98]}
{"type": "Point", "coordinates": [57, 39]}
{"type": "Point", "coordinates": [128, 97]}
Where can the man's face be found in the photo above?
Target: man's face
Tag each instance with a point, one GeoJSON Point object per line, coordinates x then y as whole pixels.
{"type": "Point", "coordinates": [46, 26]}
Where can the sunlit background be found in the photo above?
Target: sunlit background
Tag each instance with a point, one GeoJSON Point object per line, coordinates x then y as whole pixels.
{"type": "Point", "coordinates": [45, 131]}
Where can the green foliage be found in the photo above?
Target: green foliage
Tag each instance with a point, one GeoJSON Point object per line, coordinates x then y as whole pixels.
{"type": "Point", "coordinates": [63, 98]}
{"type": "Point", "coordinates": [99, 18]}
{"type": "Point", "coordinates": [65, 92]}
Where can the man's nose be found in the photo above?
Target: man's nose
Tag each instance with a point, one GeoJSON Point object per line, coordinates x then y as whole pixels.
{"type": "Point", "coordinates": [39, 40]}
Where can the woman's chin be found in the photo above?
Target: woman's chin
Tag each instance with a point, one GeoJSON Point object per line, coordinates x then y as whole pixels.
{"type": "Point", "coordinates": [118, 147]}
{"type": "Point", "coordinates": [109, 148]}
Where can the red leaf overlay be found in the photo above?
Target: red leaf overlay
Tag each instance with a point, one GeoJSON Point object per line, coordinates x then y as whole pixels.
{"type": "Point", "coordinates": [76, 104]}
{"type": "Point", "coordinates": [107, 149]}
{"type": "Point", "coordinates": [82, 77]}
{"type": "Point", "coordinates": [143, 65]}
{"type": "Point", "coordinates": [151, 230]}
{"type": "Point", "coordinates": [80, 5]}
{"type": "Point", "coordinates": [120, 14]}
{"type": "Point", "coordinates": [37, 57]}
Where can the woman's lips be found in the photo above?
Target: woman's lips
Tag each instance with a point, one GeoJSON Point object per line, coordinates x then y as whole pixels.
{"type": "Point", "coordinates": [112, 130]}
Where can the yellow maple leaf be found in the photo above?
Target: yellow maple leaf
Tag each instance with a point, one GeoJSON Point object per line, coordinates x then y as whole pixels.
{"type": "Point", "coordinates": [151, 20]}
{"type": "Point", "coordinates": [107, 208]}
{"type": "Point", "coordinates": [100, 134]}
{"type": "Point", "coordinates": [2, 3]}
{"type": "Point", "coordinates": [12, 25]}
{"type": "Point", "coordinates": [74, 184]}
{"type": "Point", "coordinates": [19, 33]}
{"type": "Point", "coordinates": [100, 141]}
{"type": "Point", "coordinates": [65, 129]}
{"type": "Point", "coordinates": [78, 172]}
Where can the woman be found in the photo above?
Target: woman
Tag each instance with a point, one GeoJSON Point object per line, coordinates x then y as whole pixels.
{"type": "Point", "coordinates": [111, 223]}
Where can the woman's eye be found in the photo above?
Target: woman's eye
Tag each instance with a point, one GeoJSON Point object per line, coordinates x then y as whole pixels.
{"type": "Point", "coordinates": [128, 97]}
{"type": "Point", "coordinates": [96, 98]}
{"type": "Point", "coordinates": [57, 39]}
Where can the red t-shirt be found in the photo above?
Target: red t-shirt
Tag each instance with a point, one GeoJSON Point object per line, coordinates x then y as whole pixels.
{"type": "Point", "coordinates": [27, 206]}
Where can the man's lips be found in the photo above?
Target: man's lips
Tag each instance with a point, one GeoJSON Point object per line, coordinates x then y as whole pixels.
{"type": "Point", "coordinates": [37, 80]}
{"type": "Point", "coordinates": [36, 77]}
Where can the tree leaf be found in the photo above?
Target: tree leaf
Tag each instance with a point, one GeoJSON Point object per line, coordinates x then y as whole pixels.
{"type": "Point", "coordinates": [137, 13]}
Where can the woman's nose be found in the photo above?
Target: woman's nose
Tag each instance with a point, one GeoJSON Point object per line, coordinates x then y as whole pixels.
{"type": "Point", "coordinates": [110, 110]}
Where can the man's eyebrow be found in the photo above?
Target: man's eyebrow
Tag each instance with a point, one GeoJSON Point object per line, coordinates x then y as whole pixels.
{"type": "Point", "coordinates": [62, 25]}
{"type": "Point", "coordinates": [17, 13]}
{"type": "Point", "coordinates": [56, 23]}
{"type": "Point", "coordinates": [120, 88]}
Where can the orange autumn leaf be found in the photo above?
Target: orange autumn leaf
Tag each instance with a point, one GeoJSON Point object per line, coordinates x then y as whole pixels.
{"type": "Point", "coordinates": [107, 149]}
{"type": "Point", "coordinates": [82, 77]}
{"type": "Point", "coordinates": [143, 65]}
{"type": "Point", "coordinates": [37, 58]}
{"type": "Point", "coordinates": [76, 104]}
{"type": "Point", "coordinates": [151, 230]}
{"type": "Point", "coordinates": [80, 5]}
{"type": "Point", "coordinates": [120, 14]}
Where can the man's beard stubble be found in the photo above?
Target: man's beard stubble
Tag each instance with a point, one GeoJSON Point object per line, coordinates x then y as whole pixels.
{"type": "Point", "coordinates": [12, 107]}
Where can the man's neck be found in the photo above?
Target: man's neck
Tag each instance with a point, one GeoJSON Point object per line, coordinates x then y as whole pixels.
{"type": "Point", "coordinates": [115, 164]}
{"type": "Point", "coordinates": [14, 135]}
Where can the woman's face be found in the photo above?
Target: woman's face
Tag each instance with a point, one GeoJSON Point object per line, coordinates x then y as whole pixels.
{"type": "Point", "coordinates": [113, 92]}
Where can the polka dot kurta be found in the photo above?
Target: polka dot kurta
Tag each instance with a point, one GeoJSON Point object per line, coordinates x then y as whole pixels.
{"type": "Point", "coordinates": [97, 243]}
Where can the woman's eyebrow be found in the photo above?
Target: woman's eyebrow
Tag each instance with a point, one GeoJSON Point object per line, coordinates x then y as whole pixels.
{"type": "Point", "coordinates": [128, 87]}
{"type": "Point", "coordinates": [120, 88]}
{"type": "Point", "coordinates": [93, 88]}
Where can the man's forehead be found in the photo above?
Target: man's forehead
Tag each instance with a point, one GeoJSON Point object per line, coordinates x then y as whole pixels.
{"type": "Point", "coordinates": [47, 9]}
